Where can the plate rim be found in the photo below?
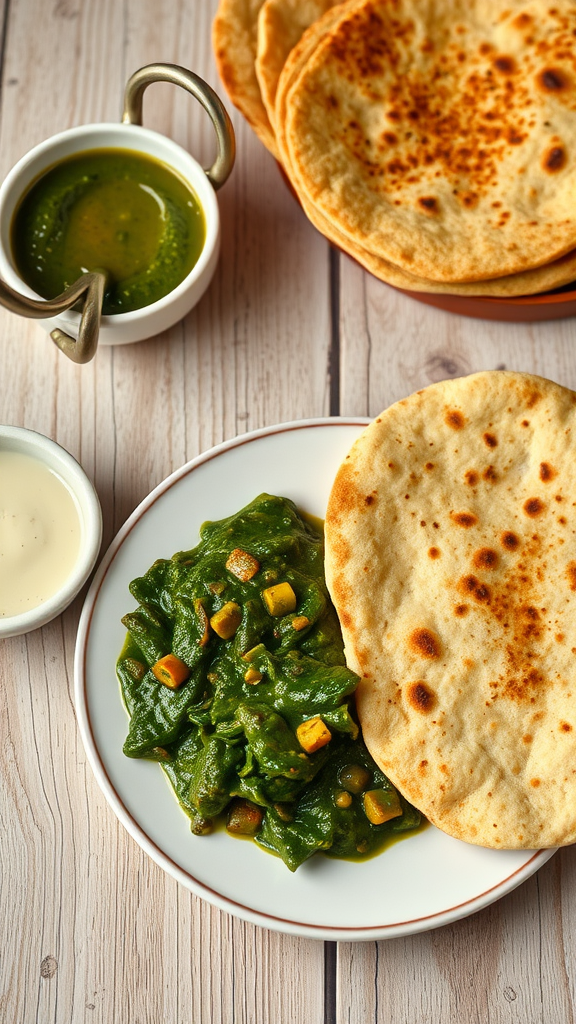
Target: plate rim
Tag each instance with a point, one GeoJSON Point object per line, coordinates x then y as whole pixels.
{"type": "Point", "coordinates": [159, 856]}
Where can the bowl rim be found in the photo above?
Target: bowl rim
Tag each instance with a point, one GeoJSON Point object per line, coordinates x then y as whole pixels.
{"type": "Point", "coordinates": [51, 454]}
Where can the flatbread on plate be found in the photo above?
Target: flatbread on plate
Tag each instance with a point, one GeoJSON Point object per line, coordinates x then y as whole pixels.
{"type": "Point", "coordinates": [451, 559]}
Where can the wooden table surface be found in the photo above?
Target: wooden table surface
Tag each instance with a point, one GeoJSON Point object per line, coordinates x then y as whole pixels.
{"type": "Point", "coordinates": [91, 930]}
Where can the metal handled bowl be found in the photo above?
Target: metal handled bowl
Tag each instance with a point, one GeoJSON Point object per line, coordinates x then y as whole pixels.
{"type": "Point", "coordinates": [74, 318]}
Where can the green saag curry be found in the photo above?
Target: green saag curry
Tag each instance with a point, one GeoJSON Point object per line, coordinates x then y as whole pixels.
{"type": "Point", "coordinates": [234, 678]}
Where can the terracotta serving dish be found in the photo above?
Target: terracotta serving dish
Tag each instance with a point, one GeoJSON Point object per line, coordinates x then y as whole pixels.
{"type": "Point", "coordinates": [523, 309]}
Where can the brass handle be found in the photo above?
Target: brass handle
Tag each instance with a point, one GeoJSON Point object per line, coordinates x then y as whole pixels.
{"type": "Point", "coordinates": [91, 285]}
{"type": "Point", "coordinates": [141, 79]}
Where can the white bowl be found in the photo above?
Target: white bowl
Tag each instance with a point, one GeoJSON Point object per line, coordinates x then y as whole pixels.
{"type": "Point", "coordinates": [28, 442]}
{"type": "Point", "coordinates": [121, 328]}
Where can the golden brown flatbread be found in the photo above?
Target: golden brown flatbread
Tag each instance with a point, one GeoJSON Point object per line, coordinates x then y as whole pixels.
{"type": "Point", "coordinates": [451, 559]}
{"type": "Point", "coordinates": [281, 24]}
{"type": "Point", "coordinates": [235, 40]}
{"type": "Point", "coordinates": [529, 282]}
{"type": "Point", "coordinates": [440, 135]}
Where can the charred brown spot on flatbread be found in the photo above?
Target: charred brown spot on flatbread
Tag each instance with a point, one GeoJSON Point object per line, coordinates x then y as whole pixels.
{"type": "Point", "coordinates": [475, 588]}
{"type": "Point", "coordinates": [464, 519]}
{"type": "Point", "coordinates": [434, 552]}
{"type": "Point", "coordinates": [507, 65]}
{"type": "Point", "coordinates": [534, 507]}
{"type": "Point", "coordinates": [524, 679]}
{"type": "Point", "coordinates": [345, 493]}
{"type": "Point", "coordinates": [455, 419]}
{"type": "Point", "coordinates": [460, 610]}
{"type": "Point", "coordinates": [554, 159]}
{"type": "Point", "coordinates": [523, 20]}
{"type": "Point", "coordinates": [420, 697]}
{"type": "Point", "coordinates": [490, 439]}
{"type": "Point", "coordinates": [429, 204]}
{"type": "Point", "coordinates": [547, 472]}
{"type": "Point", "coordinates": [425, 643]}
{"type": "Point", "coordinates": [471, 477]}
{"type": "Point", "coordinates": [571, 574]}
{"type": "Point", "coordinates": [490, 475]}
{"type": "Point", "coordinates": [509, 540]}
{"type": "Point", "coordinates": [565, 727]}
{"type": "Point", "coordinates": [533, 396]}
{"type": "Point", "coordinates": [553, 80]}
{"type": "Point", "coordinates": [485, 558]}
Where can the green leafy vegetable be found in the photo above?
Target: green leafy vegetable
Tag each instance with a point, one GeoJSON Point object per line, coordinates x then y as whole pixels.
{"type": "Point", "coordinates": [228, 733]}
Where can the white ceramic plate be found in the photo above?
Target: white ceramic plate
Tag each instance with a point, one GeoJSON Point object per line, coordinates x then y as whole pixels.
{"type": "Point", "coordinates": [424, 881]}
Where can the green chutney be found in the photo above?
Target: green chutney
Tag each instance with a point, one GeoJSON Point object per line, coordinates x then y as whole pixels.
{"type": "Point", "coordinates": [114, 210]}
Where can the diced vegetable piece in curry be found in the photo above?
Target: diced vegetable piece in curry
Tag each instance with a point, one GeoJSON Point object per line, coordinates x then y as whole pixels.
{"type": "Point", "coordinates": [342, 798]}
{"type": "Point", "coordinates": [253, 676]}
{"type": "Point", "coordinates": [381, 805]}
{"type": "Point", "coordinates": [202, 826]}
{"type": "Point", "coordinates": [279, 599]}
{"type": "Point", "coordinates": [242, 564]}
{"type": "Point", "coordinates": [225, 622]}
{"type": "Point", "coordinates": [300, 622]}
{"type": "Point", "coordinates": [203, 620]}
{"type": "Point", "coordinates": [171, 671]}
{"type": "Point", "coordinates": [244, 818]}
{"type": "Point", "coordinates": [313, 734]}
{"type": "Point", "coordinates": [249, 655]}
{"type": "Point", "coordinates": [355, 778]}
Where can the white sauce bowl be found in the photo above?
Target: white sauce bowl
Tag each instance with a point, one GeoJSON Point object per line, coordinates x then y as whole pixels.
{"type": "Point", "coordinates": [41, 448]}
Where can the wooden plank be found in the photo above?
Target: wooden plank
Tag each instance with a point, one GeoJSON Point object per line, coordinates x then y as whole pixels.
{"type": "Point", "coordinates": [392, 345]}
{"type": "Point", "coordinates": [510, 963]}
{"type": "Point", "coordinates": [93, 930]}
{"type": "Point", "coordinates": [513, 961]}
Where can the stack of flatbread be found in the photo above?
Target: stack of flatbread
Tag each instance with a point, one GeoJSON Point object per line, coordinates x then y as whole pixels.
{"type": "Point", "coordinates": [432, 140]}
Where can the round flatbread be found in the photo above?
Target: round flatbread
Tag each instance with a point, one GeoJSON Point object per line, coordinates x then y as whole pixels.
{"type": "Point", "coordinates": [529, 282]}
{"type": "Point", "coordinates": [281, 24]}
{"type": "Point", "coordinates": [451, 559]}
{"type": "Point", "coordinates": [439, 134]}
{"type": "Point", "coordinates": [235, 41]}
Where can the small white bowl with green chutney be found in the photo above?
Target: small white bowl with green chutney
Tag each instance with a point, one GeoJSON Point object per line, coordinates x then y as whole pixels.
{"type": "Point", "coordinates": [122, 200]}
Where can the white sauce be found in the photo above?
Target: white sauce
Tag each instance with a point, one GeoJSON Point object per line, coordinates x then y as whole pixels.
{"type": "Point", "coordinates": [40, 533]}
